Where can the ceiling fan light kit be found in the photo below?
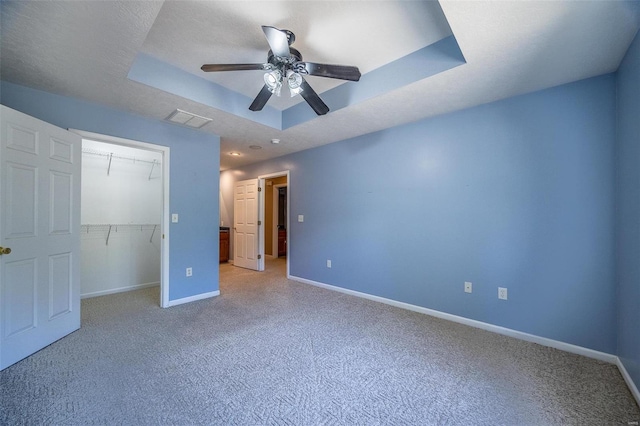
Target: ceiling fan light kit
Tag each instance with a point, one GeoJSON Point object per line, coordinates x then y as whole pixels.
{"type": "Point", "coordinates": [294, 80]}
{"type": "Point", "coordinates": [273, 80]}
{"type": "Point", "coordinates": [285, 62]}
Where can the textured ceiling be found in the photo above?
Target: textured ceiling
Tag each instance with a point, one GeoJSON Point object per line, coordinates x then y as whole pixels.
{"type": "Point", "coordinates": [86, 49]}
{"type": "Point", "coordinates": [326, 32]}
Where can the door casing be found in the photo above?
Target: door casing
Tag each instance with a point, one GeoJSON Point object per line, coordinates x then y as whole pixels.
{"type": "Point", "coordinates": [261, 207]}
{"type": "Point", "coordinates": [276, 211]}
{"type": "Point", "coordinates": [166, 180]}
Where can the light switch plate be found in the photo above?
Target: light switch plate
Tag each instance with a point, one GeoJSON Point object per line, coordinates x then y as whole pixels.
{"type": "Point", "coordinates": [174, 218]}
{"type": "Point", "coordinates": [300, 218]}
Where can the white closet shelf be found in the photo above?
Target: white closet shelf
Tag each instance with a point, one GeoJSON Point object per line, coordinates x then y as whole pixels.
{"type": "Point", "coordinates": [119, 227]}
{"type": "Point", "coordinates": [111, 156]}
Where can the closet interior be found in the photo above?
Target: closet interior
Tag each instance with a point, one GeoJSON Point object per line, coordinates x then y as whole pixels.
{"type": "Point", "coordinates": [121, 212]}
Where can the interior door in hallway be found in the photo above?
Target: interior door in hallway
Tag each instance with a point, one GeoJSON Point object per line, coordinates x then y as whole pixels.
{"type": "Point", "coordinates": [245, 224]}
{"type": "Point", "coordinates": [40, 224]}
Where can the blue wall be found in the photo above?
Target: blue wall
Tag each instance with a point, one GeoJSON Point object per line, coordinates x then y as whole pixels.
{"type": "Point", "coordinates": [195, 162]}
{"type": "Point", "coordinates": [628, 211]}
{"type": "Point", "coordinates": [518, 193]}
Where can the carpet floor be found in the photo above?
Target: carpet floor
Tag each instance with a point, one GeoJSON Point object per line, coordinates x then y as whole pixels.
{"type": "Point", "coordinates": [269, 351]}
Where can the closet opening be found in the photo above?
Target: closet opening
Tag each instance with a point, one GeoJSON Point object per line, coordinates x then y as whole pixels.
{"type": "Point", "coordinates": [124, 216]}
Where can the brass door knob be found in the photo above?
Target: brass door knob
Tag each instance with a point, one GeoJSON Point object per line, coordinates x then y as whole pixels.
{"type": "Point", "coordinates": [4, 250]}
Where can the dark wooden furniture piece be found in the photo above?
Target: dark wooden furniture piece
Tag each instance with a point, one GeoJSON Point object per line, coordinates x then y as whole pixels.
{"type": "Point", "coordinates": [224, 244]}
{"type": "Point", "coordinates": [282, 242]}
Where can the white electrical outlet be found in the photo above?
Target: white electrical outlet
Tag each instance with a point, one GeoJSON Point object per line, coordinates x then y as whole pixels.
{"type": "Point", "coordinates": [468, 287]}
{"type": "Point", "coordinates": [328, 263]}
{"type": "Point", "coordinates": [502, 293]}
{"type": "Point", "coordinates": [300, 218]}
{"type": "Point", "coordinates": [189, 272]}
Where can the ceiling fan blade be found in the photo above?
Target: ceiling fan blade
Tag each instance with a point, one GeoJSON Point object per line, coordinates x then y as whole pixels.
{"type": "Point", "coordinates": [277, 40]}
{"type": "Point", "coordinates": [261, 100]}
{"type": "Point", "coordinates": [232, 67]}
{"type": "Point", "coordinates": [342, 72]}
{"type": "Point", "coordinates": [313, 99]}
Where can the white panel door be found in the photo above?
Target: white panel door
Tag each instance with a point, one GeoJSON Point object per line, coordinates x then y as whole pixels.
{"type": "Point", "coordinates": [245, 224]}
{"type": "Point", "coordinates": [40, 224]}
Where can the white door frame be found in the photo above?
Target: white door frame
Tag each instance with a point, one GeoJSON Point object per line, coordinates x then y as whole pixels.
{"type": "Point", "coordinates": [261, 183]}
{"type": "Point", "coordinates": [276, 211]}
{"type": "Point", "coordinates": [164, 221]}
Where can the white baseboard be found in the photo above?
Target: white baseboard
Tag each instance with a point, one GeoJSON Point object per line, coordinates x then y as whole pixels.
{"type": "Point", "coordinates": [567, 347]}
{"type": "Point", "coordinates": [193, 298]}
{"type": "Point", "coordinates": [118, 290]}
{"type": "Point", "coordinates": [627, 378]}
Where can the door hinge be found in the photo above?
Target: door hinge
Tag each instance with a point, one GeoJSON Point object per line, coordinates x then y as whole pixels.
{"type": "Point", "coordinates": [259, 256]}
{"type": "Point", "coordinates": [259, 222]}
{"type": "Point", "coordinates": [259, 189]}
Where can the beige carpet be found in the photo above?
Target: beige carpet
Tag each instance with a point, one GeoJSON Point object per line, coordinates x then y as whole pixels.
{"type": "Point", "coordinates": [270, 351]}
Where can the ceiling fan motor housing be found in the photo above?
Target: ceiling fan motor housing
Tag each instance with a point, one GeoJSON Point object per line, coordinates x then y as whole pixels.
{"type": "Point", "coordinates": [277, 61]}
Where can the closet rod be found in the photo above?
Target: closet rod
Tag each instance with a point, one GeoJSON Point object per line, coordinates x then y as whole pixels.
{"type": "Point", "coordinates": [109, 227]}
{"type": "Point", "coordinates": [111, 156]}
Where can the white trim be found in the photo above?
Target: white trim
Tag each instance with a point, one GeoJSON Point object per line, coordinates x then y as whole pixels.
{"type": "Point", "coordinates": [193, 298]}
{"type": "Point", "coordinates": [274, 223]}
{"type": "Point", "coordinates": [166, 180]}
{"type": "Point", "coordinates": [261, 180]}
{"type": "Point", "coordinates": [628, 380]}
{"type": "Point", "coordinates": [567, 347]}
{"type": "Point", "coordinates": [261, 221]}
{"type": "Point", "coordinates": [275, 213]}
{"type": "Point", "coordinates": [118, 290]}
{"type": "Point", "coordinates": [275, 175]}
{"type": "Point", "coordinates": [99, 137]}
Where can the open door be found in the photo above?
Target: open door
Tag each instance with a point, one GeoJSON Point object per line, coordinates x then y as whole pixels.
{"type": "Point", "coordinates": [39, 233]}
{"type": "Point", "coordinates": [245, 224]}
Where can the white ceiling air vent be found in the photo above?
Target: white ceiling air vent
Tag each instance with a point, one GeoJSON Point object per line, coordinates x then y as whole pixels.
{"type": "Point", "coordinates": [188, 119]}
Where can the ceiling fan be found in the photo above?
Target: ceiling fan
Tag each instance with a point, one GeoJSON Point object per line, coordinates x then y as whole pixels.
{"type": "Point", "coordinates": [285, 64]}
